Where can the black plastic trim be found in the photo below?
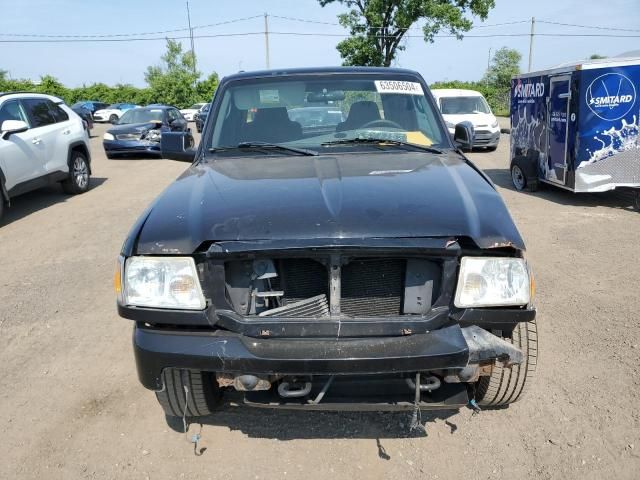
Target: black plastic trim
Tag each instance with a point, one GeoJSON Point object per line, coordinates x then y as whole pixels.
{"type": "Point", "coordinates": [331, 327]}
{"type": "Point", "coordinates": [494, 318]}
{"type": "Point", "coordinates": [195, 318]}
{"type": "Point", "coordinates": [36, 183]}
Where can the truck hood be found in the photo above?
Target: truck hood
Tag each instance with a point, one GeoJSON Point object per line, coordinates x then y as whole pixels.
{"type": "Point", "coordinates": [364, 195]}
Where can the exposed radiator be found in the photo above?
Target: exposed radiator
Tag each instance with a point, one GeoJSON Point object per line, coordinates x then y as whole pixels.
{"type": "Point", "coordinates": [373, 287]}
{"type": "Point", "coordinates": [300, 279]}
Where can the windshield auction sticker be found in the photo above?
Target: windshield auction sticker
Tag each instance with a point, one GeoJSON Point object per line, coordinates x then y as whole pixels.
{"type": "Point", "coordinates": [395, 86]}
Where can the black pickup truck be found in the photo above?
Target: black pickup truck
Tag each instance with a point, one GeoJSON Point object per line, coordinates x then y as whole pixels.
{"type": "Point", "coordinates": [370, 266]}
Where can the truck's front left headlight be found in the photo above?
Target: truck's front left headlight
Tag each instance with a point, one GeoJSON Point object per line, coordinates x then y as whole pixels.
{"type": "Point", "coordinates": [493, 282]}
{"type": "Point", "coordinates": [162, 282]}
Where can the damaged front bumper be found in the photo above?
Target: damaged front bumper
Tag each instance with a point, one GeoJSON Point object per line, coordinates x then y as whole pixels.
{"type": "Point", "coordinates": [450, 349]}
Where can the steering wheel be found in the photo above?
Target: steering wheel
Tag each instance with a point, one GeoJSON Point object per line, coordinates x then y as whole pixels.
{"type": "Point", "coordinates": [382, 123]}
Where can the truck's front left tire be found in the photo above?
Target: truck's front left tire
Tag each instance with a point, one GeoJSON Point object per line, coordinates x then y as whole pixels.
{"type": "Point", "coordinates": [200, 397]}
{"type": "Point", "coordinates": [506, 385]}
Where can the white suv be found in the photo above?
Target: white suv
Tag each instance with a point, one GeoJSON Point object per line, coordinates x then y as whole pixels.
{"type": "Point", "coordinates": [42, 141]}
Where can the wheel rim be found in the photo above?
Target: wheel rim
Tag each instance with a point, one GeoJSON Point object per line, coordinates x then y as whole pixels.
{"type": "Point", "coordinates": [80, 172]}
{"type": "Point", "coordinates": [517, 177]}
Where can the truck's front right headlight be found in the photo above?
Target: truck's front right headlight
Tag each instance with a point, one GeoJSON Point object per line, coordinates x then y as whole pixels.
{"type": "Point", "coordinates": [493, 282]}
{"type": "Point", "coordinates": [162, 282]}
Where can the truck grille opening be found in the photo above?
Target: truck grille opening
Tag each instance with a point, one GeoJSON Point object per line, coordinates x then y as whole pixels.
{"type": "Point", "coordinates": [301, 278]}
{"type": "Point", "coordinates": [300, 287]}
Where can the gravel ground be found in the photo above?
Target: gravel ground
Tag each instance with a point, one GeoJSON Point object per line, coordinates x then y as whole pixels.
{"type": "Point", "coordinates": [71, 406]}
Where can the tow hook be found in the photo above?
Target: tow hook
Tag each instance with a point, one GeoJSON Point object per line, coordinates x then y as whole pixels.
{"type": "Point", "coordinates": [288, 390]}
{"type": "Point", "coordinates": [428, 384]}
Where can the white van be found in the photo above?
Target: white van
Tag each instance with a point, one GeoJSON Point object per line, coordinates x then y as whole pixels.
{"type": "Point", "coordinates": [458, 105]}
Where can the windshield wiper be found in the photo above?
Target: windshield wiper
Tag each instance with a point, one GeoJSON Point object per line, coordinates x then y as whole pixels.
{"type": "Point", "coordinates": [382, 141]}
{"type": "Point", "coordinates": [266, 146]}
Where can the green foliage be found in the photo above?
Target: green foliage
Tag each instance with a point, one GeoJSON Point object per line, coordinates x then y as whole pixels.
{"type": "Point", "coordinates": [174, 82]}
{"type": "Point", "coordinates": [377, 27]}
{"type": "Point", "coordinates": [596, 56]}
{"type": "Point", "coordinates": [504, 65]}
{"type": "Point", "coordinates": [205, 88]}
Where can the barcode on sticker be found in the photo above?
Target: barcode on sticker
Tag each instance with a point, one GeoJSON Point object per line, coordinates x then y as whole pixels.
{"type": "Point", "coordinates": [395, 86]}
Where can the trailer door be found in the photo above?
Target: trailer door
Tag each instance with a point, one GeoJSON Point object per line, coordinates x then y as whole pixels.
{"type": "Point", "coordinates": [557, 128]}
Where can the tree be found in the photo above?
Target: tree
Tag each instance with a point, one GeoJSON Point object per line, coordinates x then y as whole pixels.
{"type": "Point", "coordinates": [504, 65]}
{"type": "Point", "coordinates": [206, 87]}
{"type": "Point", "coordinates": [596, 56]}
{"type": "Point", "coordinates": [377, 27]}
{"type": "Point", "coordinates": [52, 86]}
{"type": "Point", "coordinates": [173, 82]}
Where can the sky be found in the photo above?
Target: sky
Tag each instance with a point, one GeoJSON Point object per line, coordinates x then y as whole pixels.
{"type": "Point", "coordinates": [445, 59]}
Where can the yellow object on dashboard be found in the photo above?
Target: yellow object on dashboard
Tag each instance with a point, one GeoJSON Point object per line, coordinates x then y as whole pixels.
{"type": "Point", "coordinates": [419, 138]}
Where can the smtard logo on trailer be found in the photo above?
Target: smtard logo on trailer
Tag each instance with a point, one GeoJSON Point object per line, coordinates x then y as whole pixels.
{"type": "Point", "coordinates": [611, 96]}
{"type": "Point", "coordinates": [528, 92]}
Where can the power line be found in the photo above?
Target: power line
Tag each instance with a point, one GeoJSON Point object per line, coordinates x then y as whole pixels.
{"type": "Point", "coordinates": [416, 27]}
{"type": "Point", "coordinates": [303, 34]}
{"type": "Point", "coordinates": [304, 20]}
{"type": "Point", "coordinates": [589, 26]}
{"type": "Point", "coordinates": [120, 35]}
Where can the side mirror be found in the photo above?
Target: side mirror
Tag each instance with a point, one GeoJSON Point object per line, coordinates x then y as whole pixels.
{"type": "Point", "coordinates": [463, 136]}
{"type": "Point", "coordinates": [177, 146]}
{"type": "Point", "coordinates": [10, 127]}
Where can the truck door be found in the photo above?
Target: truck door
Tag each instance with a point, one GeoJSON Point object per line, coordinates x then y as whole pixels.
{"type": "Point", "coordinates": [557, 129]}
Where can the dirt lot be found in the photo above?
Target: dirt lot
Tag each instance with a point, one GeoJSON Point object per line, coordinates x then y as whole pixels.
{"type": "Point", "coordinates": [71, 406]}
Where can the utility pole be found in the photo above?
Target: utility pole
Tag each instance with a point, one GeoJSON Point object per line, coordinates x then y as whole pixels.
{"type": "Point", "coordinates": [193, 52]}
{"type": "Point", "coordinates": [533, 26]}
{"type": "Point", "coordinates": [266, 39]}
{"type": "Point", "coordinates": [488, 66]}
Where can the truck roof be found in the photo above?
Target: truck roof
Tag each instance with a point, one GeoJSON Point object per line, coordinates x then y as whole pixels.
{"type": "Point", "coordinates": [319, 70]}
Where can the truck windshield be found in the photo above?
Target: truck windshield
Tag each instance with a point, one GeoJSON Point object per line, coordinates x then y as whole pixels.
{"type": "Point", "coordinates": [314, 111]}
{"type": "Point", "coordinates": [463, 105]}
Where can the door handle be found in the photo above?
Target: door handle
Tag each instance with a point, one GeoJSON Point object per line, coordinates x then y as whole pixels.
{"type": "Point", "coordinates": [36, 141]}
{"type": "Point", "coordinates": [66, 132]}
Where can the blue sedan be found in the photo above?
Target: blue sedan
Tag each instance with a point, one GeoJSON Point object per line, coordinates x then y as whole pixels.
{"type": "Point", "coordinates": [139, 130]}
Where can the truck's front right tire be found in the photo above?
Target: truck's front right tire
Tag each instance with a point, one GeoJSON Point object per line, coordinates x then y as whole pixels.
{"type": "Point", "coordinates": [189, 393]}
{"type": "Point", "coordinates": [506, 385]}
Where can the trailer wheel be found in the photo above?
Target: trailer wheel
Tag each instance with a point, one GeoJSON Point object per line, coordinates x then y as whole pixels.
{"type": "Point", "coordinates": [506, 385]}
{"type": "Point", "coordinates": [517, 177]}
{"type": "Point", "coordinates": [523, 175]}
